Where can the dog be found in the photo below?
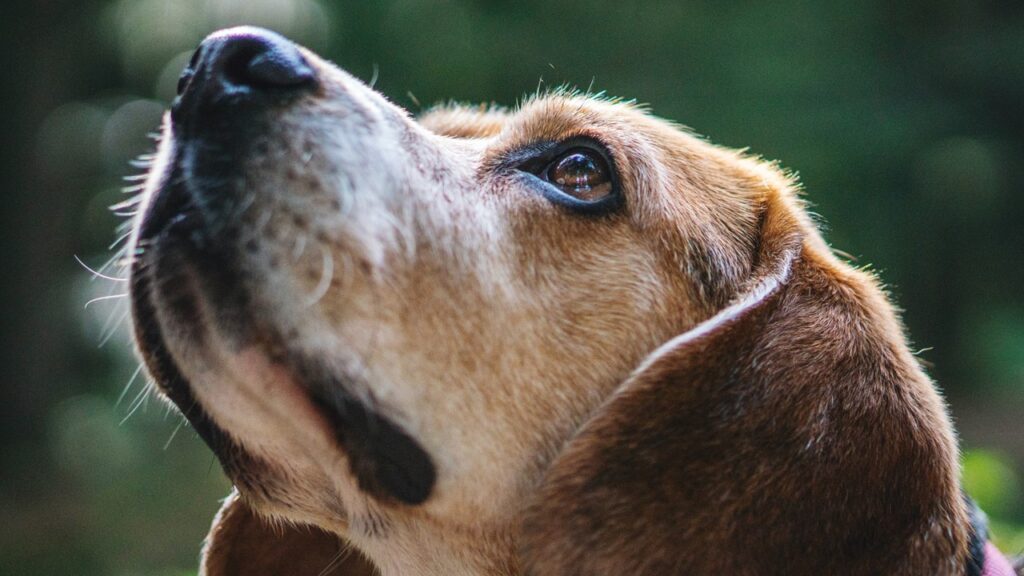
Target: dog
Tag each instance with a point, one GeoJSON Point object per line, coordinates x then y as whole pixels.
{"type": "Point", "coordinates": [569, 338]}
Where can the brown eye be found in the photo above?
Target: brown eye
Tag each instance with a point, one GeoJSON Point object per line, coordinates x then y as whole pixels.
{"type": "Point", "coordinates": [577, 174]}
{"type": "Point", "coordinates": [582, 174]}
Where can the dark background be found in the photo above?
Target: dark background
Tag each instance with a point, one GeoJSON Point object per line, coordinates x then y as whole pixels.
{"type": "Point", "coordinates": [905, 121]}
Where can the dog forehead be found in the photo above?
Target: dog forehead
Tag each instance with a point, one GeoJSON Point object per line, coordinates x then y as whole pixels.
{"type": "Point", "coordinates": [552, 116]}
{"type": "Point", "coordinates": [464, 120]}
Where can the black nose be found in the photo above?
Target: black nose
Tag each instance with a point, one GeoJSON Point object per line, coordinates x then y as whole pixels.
{"type": "Point", "coordinates": [242, 63]}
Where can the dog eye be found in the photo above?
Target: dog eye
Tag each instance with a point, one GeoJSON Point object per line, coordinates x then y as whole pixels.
{"type": "Point", "coordinates": [582, 174]}
{"type": "Point", "coordinates": [576, 174]}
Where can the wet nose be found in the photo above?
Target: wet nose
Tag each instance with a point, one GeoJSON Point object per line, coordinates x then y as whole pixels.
{"type": "Point", "coordinates": [245, 63]}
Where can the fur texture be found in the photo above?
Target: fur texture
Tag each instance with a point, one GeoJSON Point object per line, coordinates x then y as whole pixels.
{"type": "Point", "coordinates": [693, 384]}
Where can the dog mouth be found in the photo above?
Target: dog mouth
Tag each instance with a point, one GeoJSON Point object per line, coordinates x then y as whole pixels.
{"type": "Point", "coordinates": [185, 268]}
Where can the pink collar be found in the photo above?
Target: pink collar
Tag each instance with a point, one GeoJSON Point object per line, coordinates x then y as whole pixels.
{"type": "Point", "coordinates": [995, 563]}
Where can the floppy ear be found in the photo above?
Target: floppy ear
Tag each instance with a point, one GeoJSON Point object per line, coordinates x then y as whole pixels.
{"type": "Point", "coordinates": [791, 433]}
{"type": "Point", "coordinates": [241, 543]}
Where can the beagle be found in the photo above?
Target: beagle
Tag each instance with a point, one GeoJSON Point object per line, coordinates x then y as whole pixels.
{"type": "Point", "coordinates": [570, 338]}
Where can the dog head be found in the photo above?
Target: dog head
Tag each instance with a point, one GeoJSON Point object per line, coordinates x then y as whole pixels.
{"type": "Point", "coordinates": [569, 338]}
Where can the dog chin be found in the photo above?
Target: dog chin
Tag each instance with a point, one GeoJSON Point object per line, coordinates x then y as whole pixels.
{"type": "Point", "coordinates": [251, 396]}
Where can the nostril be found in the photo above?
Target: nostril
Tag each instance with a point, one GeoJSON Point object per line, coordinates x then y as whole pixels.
{"type": "Point", "coordinates": [245, 60]}
{"type": "Point", "coordinates": [263, 65]}
{"type": "Point", "coordinates": [255, 58]}
{"type": "Point", "coordinates": [274, 68]}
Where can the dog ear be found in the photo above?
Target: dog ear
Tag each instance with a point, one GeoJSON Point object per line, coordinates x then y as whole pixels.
{"type": "Point", "coordinates": [241, 543]}
{"type": "Point", "coordinates": [791, 433]}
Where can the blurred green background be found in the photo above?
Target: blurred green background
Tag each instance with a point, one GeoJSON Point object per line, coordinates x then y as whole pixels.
{"type": "Point", "coordinates": [904, 119]}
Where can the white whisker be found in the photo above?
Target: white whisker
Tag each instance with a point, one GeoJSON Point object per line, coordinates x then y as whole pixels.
{"type": "Point", "coordinates": [244, 206]}
{"type": "Point", "coordinates": [120, 239]}
{"type": "Point", "coordinates": [129, 203]}
{"type": "Point", "coordinates": [112, 261]}
{"type": "Point", "coordinates": [326, 277]}
{"type": "Point", "coordinates": [300, 247]}
{"type": "Point", "coordinates": [376, 75]}
{"type": "Point", "coordinates": [128, 385]}
{"type": "Point", "coordinates": [98, 274]}
{"type": "Point", "coordinates": [111, 326]}
{"type": "Point", "coordinates": [175, 433]}
{"type": "Point", "coordinates": [338, 558]}
{"type": "Point", "coordinates": [102, 298]}
{"type": "Point", "coordinates": [137, 402]}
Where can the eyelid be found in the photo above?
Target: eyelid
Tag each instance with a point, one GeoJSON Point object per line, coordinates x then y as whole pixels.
{"type": "Point", "coordinates": [552, 193]}
{"type": "Point", "coordinates": [520, 158]}
{"type": "Point", "coordinates": [536, 156]}
{"type": "Point", "coordinates": [531, 162]}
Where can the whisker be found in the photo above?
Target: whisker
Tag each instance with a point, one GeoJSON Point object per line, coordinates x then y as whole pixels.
{"type": "Point", "coordinates": [376, 75]}
{"type": "Point", "coordinates": [102, 298]}
{"type": "Point", "coordinates": [120, 239]}
{"type": "Point", "coordinates": [300, 247]}
{"type": "Point", "coordinates": [128, 385]}
{"type": "Point", "coordinates": [97, 273]}
{"type": "Point", "coordinates": [338, 558]}
{"type": "Point", "coordinates": [243, 206]}
{"type": "Point", "coordinates": [111, 326]}
{"type": "Point", "coordinates": [326, 276]}
{"type": "Point", "coordinates": [175, 433]}
{"type": "Point", "coordinates": [137, 402]}
{"type": "Point", "coordinates": [129, 203]}
{"type": "Point", "coordinates": [111, 261]}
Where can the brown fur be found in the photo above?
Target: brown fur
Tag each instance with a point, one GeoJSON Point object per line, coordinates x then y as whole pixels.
{"type": "Point", "coordinates": [243, 544]}
{"type": "Point", "coordinates": [798, 438]}
{"type": "Point", "coordinates": [691, 385]}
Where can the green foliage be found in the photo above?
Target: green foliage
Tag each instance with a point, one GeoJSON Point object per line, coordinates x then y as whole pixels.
{"type": "Point", "coordinates": [994, 484]}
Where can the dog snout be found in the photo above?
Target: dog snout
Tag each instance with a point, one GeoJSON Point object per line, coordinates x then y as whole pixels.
{"type": "Point", "coordinates": [244, 65]}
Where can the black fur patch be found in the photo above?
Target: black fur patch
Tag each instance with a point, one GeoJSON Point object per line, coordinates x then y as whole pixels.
{"type": "Point", "coordinates": [979, 535]}
{"type": "Point", "coordinates": [386, 461]}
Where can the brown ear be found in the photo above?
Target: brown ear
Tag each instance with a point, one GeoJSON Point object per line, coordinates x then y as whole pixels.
{"type": "Point", "coordinates": [242, 543]}
{"type": "Point", "coordinates": [792, 433]}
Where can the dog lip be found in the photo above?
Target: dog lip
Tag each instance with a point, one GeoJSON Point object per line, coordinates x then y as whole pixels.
{"type": "Point", "coordinates": [162, 367]}
{"type": "Point", "coordinates": [239, 464]}
{"type": "Point", "coordinates": [385, 460]}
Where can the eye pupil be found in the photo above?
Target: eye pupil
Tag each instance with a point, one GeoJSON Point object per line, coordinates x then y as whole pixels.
{"type": "Point", "coordinates": [581, 174]}
{"type": "Point", "coordinates": [575, 170]}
